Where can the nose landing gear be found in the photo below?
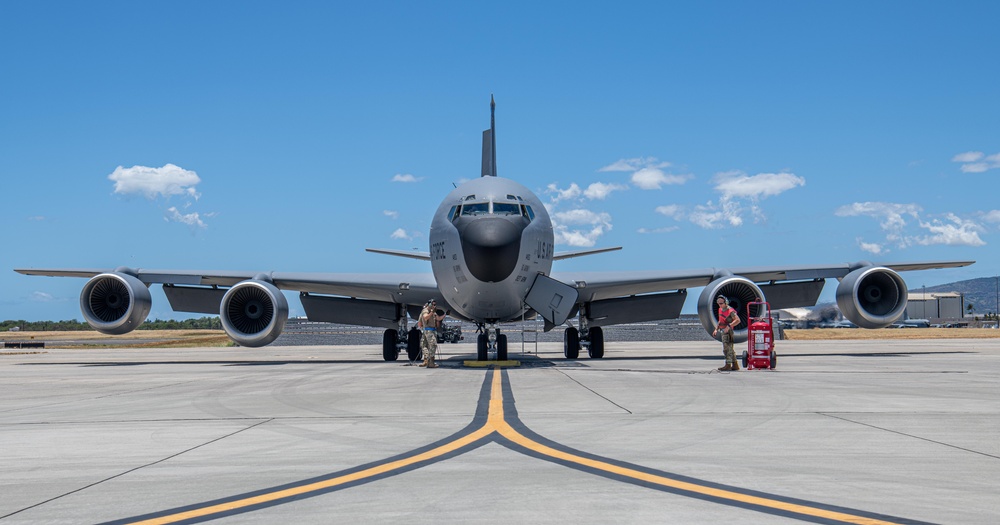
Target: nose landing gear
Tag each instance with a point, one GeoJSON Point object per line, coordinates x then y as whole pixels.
{"type": "Point", "coordinates": [491, 340]}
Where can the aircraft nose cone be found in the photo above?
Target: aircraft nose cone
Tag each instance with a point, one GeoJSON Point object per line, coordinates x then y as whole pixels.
{"type": "Point", "coordinates": [491, 246]}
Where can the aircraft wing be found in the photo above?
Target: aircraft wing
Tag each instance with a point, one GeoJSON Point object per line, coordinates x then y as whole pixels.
{"type": "Point", "coordinates": [596, 286]}
{"type": "Point", "coordinates": [395, 288]}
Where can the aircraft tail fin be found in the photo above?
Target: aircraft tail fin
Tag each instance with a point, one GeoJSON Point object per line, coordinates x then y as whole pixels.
{"type": "Point", "coordinates": [490, 145]}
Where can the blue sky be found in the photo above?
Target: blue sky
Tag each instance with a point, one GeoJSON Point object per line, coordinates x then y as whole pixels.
{"type": "Point", "coordinates": [290, 136]}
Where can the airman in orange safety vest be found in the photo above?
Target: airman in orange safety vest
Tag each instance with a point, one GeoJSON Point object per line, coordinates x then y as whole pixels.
{"type": "Point", "coordinates": [728, 320]}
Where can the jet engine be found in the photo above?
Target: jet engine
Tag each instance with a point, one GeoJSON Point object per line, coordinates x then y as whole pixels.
{"type": "Point", "coordinates": [115, 303]}
{"type": "Point", "coordinates": [872, 296]}
{"type": "Point", "coordinates": [253, 313]}
{"type": "Point", "coordinates": [738, 291]}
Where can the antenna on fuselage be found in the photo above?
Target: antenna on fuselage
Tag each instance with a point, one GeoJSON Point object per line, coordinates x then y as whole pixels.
{"type": "Point", "coordinates": [490, 144]}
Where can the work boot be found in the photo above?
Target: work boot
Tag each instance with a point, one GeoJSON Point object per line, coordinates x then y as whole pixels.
{"type": "Point", "coordinates": [726, 368]}
{"type": "Point", "coordinates": [424, 363]}
{"type": "Point", "coordinates": [736, 366]}
{"type": "Point", "coordinates": [430, 363]}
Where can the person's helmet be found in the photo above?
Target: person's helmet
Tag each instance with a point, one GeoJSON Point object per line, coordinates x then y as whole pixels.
{"type": "Point", "coordinates": [723, 297]}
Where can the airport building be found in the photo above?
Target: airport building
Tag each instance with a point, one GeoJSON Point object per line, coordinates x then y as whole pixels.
{"type": "Point", "coordinates": [937, 305]}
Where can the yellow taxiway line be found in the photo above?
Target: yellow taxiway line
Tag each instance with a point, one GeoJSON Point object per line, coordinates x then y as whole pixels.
{"type": "Point", "coordinates": [497, 427]}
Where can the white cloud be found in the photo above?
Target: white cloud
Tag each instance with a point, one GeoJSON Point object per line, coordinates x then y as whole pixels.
{"type": "Point", "coordinates": [391, 213]}
{"type": "Point", "coordinates": [968, 156]}
{"type": "Point", "coordinates": [406, 177]}
{"type": "Point", "coordinates": [401, 234]}
{"type": "Point", "coordinates": [572, 192]}
{"type": "Point", "coordinates": [191, 219]}
{"type": "Point", "coordinates": [600, 190]}
{"type": "Point", "coordinates": [893, 217]}
{"type": "Point", "coordinates": [977, 161]}
{"type": "Point", "coordinates": [581, 216]}
{"type": "Point", "coordinates": [736, 184]}
{"type": "Point", "coordinates": [152, 182]}
{"type": "Point", "coordinates": [741, 195]}
{"type": "Point", "coordinates": [596, 191]}
{"type": "Point", "coordinates": [653, 178]}
{"type": "Point", "coordinates": [992, 216]}
{"type": "Point", "coordinates": [871, 247]}
{"type": "Point", "coordinates": [673, 211]}
{"type": "Point", "coordinates": [955, 232]}
{"type": "Point", "coordinates": [712, 216]}
{"type": "Point", "coordinates": [600, 223]}
{"type": "Point", "coordinates": [166, 182]}
{"type": "Point", "coordinates": [42, 297]}
{"type": "Point", "coordinates": [647, 172]}
{"type": "Point", "coordinates": [635, 164]}
{"type": "Point", "coordinates": [667, 229]}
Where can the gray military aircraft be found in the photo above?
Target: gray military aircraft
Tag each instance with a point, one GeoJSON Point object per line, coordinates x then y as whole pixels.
{"type": "Point", "coordinates": [491, 251]}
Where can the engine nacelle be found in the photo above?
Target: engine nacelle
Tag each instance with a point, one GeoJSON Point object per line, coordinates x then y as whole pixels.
{"type": "Point", "coordinates": [253, 313]}
{"type": "Point", "coordinates": [739, 291]}
{"type": "Point", "coordinates": [872, 296]}
{"type": "Point", "coordinates": [115, 303]}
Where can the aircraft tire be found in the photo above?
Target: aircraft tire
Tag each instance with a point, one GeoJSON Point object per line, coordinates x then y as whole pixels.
{"type": "Point", "coordinates": [482, 347]}
{"type": "Point", "coordinates": [571, 343]}
{"type": "Point", "coordinates": [502, 347]}
{"type": "Point", "coordinates": [413, 344]}
{"type": "Point", "coordinates": [389, 350]}
{"type": "Point", "coordinates": [596, 348]}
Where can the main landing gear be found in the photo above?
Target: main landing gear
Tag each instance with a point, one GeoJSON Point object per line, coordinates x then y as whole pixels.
{"type": "Point", "coordinates": [396, 340]}
{"type": "Point", "coordinates": [490, 339]}
{"type": "Point", "coordinates": [593, 340]}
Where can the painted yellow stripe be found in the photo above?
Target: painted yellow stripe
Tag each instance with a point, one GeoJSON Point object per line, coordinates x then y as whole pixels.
{"type": "Point", "coordinates": [497, 421]}
{"type": "Point", "coordinates": [320, 485]}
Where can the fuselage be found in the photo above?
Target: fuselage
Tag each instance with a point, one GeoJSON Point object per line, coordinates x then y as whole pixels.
{"type": "Point", "coordinates": [489, 238]}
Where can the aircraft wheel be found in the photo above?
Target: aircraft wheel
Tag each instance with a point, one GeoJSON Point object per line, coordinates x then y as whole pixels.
{"type": "Point", "coordinates": [774, 359]}
{"type": "Point", "coordinates": [571, 343]}
{"type": "Point", "coordinates": [596, 349]}
{"type": "Point", "coordinates": [502, 347]}
{"type": "Point", "coordinates": [482, 347]}
{"type": "Point", "coordinates": [413, 344]}
{"type": "Point", "coordinates": [746, 359]}
{"type": "Point", "coordinates": [389, 350]}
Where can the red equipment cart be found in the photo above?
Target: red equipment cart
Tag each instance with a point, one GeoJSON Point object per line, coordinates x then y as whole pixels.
{"type": "Point", "coordinates": [760, 337]}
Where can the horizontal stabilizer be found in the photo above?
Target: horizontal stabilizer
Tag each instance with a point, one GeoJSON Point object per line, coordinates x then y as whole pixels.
{"type": "Point", "coordinates": [558, 256]}
{"type": "Point", "coordinates": [410, 254]}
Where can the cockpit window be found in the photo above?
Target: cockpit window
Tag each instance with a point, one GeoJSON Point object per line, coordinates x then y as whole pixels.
{"type": "Point", "coordinates": [478, 208]}
{"type": "Point", "coordinates": [472, 209]}
{"type": "Point", "coordinates": [505, 208]}
{"type": "Point", "coordinates": [451, 212]}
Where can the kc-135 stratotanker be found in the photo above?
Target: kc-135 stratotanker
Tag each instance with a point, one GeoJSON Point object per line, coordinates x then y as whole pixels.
{"type": "Point", "coordinates": [491, 250]}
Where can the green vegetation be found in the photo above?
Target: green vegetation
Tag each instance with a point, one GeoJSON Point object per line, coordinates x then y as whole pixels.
{"type": "Point", "coordinates": [202, 323]}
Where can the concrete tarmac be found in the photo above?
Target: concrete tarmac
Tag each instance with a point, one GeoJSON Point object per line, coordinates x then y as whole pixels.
{"type": "Point", "coordinates": [839, 432]}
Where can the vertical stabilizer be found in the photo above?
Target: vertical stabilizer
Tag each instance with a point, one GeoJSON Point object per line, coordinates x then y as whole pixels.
{"type": "Point", "coordinates": [490, 144]}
